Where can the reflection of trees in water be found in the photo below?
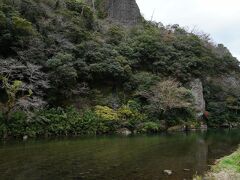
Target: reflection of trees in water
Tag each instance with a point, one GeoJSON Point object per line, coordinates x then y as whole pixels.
{"type": "Point", "coordinates": [149, 156]}
{"type": "Point", "coordinates": [201, 155]}
{"type": "Point", "coordinates": [175, 152]}
{"type": "Point", "coordinates": [221, 143]}
{"type": "Point", "coordinates": [140, 157]}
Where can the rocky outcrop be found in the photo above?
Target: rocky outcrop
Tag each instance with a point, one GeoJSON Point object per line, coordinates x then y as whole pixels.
{"type": "Point", "coordinates": [124, 132]}
{"type": "Point", "coordinates": [227, 82]}
{"type": "Point", "coordinates": [168, 172]}
{"type": "Point", "coordinates": [125, 12]}
{"type": "Point", "coordinates": [197, 91]}
{"type": "Point", "coordinates": [178, 128]}
{"type": "Point", "coordinates": [229, 85]}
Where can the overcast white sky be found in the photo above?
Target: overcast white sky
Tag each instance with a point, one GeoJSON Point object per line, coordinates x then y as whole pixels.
{"type": "Point", "coordinates": [219, 18]}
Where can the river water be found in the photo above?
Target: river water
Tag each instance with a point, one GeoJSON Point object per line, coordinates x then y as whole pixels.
{"type": "Point", "coordinates": [113, 157]}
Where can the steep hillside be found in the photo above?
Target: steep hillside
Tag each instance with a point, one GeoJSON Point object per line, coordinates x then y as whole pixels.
{"type": "Point", "coordinates": [144, 77]}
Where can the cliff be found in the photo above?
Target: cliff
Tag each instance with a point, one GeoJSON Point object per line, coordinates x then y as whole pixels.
{"type": "Point", "coordinates": [67, 53]}
{"type": "Point", "coordinates": [197, 91]}
{"type": "Point", "coordinates": [125, 12]}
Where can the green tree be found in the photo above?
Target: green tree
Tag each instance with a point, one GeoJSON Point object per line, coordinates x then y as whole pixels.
{"type": "Point", "coordinates": [11, 105]}
{"type": "Point", "coordinates": [11, 91]}
{"type": "Point", "coordinates": [63, 75]}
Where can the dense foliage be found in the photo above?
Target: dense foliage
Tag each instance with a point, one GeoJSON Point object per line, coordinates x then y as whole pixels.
{"type": "Point", "coordinates": [67, 54]}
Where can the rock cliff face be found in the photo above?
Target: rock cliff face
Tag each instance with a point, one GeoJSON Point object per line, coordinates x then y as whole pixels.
{"type": "Point", "coordinates": [197, 91]}
{"type": "Point", "coordinates": [231, 81]}
{"type": "Point", "coordinates": [125, 12]}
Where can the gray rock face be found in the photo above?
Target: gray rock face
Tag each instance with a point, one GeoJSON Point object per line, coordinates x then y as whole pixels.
{"type": "Point", "coordinates": [124, 132]}
{"type": "Point", "coordinates": [230, 81]}
{"type": "Point", "coordinates": [124, 11]}
{"type": "Point", "coordinates": [168, 172]}
{"type": "Point", "coordinates": [178, 128]}
{"type": "Point", "coordinates": [197, 91]}
{"type": "Point", "coordinates": [25, 137]}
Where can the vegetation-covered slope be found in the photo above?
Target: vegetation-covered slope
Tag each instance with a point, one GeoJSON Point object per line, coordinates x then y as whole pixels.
{"type": "Point", "coordinates": [61, 53]}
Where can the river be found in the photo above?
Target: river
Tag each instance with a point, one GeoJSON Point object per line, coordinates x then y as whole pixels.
{"type": "Point", "coordinates": [114, 157]}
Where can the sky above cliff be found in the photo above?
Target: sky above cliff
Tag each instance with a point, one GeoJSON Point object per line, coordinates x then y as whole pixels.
{"type": "Point", "coordinates": [219, 18]}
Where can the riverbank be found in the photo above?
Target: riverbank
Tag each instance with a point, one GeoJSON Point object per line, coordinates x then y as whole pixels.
{"type": "Point", "coordinates": [226, 168]}
{"type": "Point", "coordinates": [58, 122]}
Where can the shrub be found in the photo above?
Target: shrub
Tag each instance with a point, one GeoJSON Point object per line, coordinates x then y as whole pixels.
{"type": "Point", "coordinates": [22, 27]}
{"type": "Point", "coordinates": [134, 105]}
{"type": "Point", "coordinates": [115, 35]}
{"type": "Point", "coordinates": [89, 123]}
{"type": "Point", "coordinates": [100, 6]}
{"type": "Point", "coordinates": [81, 10]}
{"type": "Point", "coordinates": [125, 113]}
{"type": "Point", "coordinates": [92, 123]}
{"type": "Point", "coordinates": [175, 117]}
{"type": "Point", "coordinates": [54, 121]}
{"type": "Point", "coordinates": [148, 127]}
{"type": "Point", "coordinates": [17, 124]}
{"type": "Point", "coordinates": [3, 128]}
{"type": "Point", "coordinates": [58, 122]}
{"type": "Point", "coordinates": [106, 113]}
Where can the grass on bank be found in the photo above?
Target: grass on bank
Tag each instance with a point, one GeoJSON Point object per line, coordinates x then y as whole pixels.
{"type": "Point", "coordinates": [227, 168]}
{"type": "Point", "coordinates": [231, 162]}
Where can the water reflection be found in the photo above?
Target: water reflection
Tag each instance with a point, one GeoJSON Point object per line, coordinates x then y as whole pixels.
{"type": "Point", "coordinates": [138, 157]}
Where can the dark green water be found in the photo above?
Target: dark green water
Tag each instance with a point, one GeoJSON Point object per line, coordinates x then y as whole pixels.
{"type": "Point", "coordinates": [111, 157]}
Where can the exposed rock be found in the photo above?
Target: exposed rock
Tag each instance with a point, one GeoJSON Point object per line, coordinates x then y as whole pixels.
{"type": "Point", "coordinates": [225, 125]}
{"type": "Point", "coordinates": [197, 91]}
{"type": "Point", "coordinates": [125, 12]}
{"type": "Point", "coordinates": [223, 175]}
{"type": "Point", "coordinates": [192, 127]}
{"type": "Point", "coordinates": [231, 81]}
{"type": "Point", "coordinates": [124, 131]}
{"type": "Point", "coordinates": [177, 128]}
{"type": "Point", "coordinates": [203, 127]}
{"type": "Point", "coordinates": [168, 172]}
{"type": "Point", "coordinates": [25, 137]}
{"type": "Point", "coordinates": [230, 125]}
{"type": "Point", "coordinates": [235, 125]}
{"type": "Point", "coordinates": [195, 127]}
